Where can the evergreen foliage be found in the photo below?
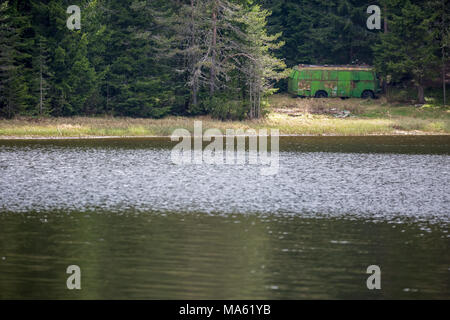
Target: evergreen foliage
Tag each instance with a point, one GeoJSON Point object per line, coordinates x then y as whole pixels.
{"type": "Point", "coordinates": [152, 58]}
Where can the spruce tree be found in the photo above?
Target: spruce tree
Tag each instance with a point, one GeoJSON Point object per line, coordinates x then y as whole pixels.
{"type": "Point", "coordinates": [13, 89]}
{"type": "Point", "coordinates": [408, 51]}
{"type": "Point", "coordinates": [41, 75]}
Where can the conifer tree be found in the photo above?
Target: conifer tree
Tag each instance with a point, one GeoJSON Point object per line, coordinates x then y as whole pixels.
{"type": "Point", "coordinates": [13, 89]}
{"type": "Point", "coordinates": [407, 51]}
{"type": "Point", "coordinates": [41, 75]}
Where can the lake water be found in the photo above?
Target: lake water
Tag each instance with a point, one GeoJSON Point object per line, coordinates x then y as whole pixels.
{"type": "Point", "coordinates": [142, 227]}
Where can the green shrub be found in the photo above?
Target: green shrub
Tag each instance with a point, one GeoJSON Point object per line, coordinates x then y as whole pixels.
{"type": "Point", "coordinates": [224, 108]}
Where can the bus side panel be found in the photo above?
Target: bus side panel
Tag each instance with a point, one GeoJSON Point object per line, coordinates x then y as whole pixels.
{"type": "Point", "coordinates": [317, 82]}
{"type": "Point", "coordinates": [336, 83]}
{"type": "Point", "coordinates": [304, 83]}
{"type": "Point", "coordinates": [364, 81]}
{"type": "Point", "coordinates": [357, 85]}
{"type": "Point", "coordinates": [330, 82]}
{"type": "Point", "coordinates": [344, 83]}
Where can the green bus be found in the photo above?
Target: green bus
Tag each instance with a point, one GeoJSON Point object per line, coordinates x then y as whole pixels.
{"type": "Point", "coordinates": [334, 81]}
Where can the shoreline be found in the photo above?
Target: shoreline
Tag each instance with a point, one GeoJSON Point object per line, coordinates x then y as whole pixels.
{"type": "Point", "coordinates": [96, 137]}
{"type": "Point", "coordinates": [291, 116]}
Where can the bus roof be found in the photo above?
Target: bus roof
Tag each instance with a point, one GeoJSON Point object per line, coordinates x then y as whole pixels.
{"type": "Point", "coordinates": [333, 67]}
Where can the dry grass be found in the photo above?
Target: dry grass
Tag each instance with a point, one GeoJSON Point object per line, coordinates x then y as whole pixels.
{"type": "Point", "coordinates": [325, 116]}
{"type": "Point", "coordinates": [289, 115]}
{"type": "Point", "coordinates": [108, 126]}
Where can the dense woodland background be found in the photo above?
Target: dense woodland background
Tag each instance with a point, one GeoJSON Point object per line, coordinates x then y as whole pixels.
{"type": "Point", "coordinates": [187, 57]}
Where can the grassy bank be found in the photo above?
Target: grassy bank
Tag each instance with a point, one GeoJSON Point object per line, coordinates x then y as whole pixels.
{"type": "Point", "coordinates": [289, 115]}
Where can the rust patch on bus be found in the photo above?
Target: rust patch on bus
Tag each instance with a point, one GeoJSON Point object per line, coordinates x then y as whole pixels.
{"type": "Point", "coordinates": [304, 85]}
{"type": "Point", "coordinates": [332, 86]}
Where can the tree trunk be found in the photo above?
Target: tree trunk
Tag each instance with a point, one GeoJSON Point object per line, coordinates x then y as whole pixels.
{"type": "Point", "coordinates": [250, 94]}
{"type": "Point", "coordinates": [259, 104]}
{"type": "Point", "coordinates": [385, 22]}
{"type": "Point", "coordinates": [41, 99]}
{"type": "Point", "coordinates": [420, 94]}
{"type": "Point", "coordinates": [192, 58]}
{"type": "Point", "coordinates": [194, 93]}
{"type": "Point", "coordinates": [107, 94]}
{"type": "Point", "coordinates": [351, 53]}
{"type": "Point", "coordinates": [213, 55]}
{"type": "Point", "coordinates": [443, 53]}
{"type": "Point", "coordinates": [443, 75]}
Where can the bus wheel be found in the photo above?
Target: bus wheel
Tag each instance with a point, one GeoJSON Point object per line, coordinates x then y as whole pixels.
{"type": "Point", "coordinates": [321, 94]}
{"type": "Point", "coordinates": [367, 94]}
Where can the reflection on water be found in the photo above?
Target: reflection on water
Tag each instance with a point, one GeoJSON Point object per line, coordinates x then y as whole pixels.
{"type": "Point", "coordinates": [141, 227]}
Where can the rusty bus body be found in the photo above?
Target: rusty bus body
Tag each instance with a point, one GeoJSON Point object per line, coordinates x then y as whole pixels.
{"type": "Point", "coordinates": [334, 81]}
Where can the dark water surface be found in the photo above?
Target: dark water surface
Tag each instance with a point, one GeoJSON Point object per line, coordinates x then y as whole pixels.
{"type": "Point", "coordinates": [140, 226]}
